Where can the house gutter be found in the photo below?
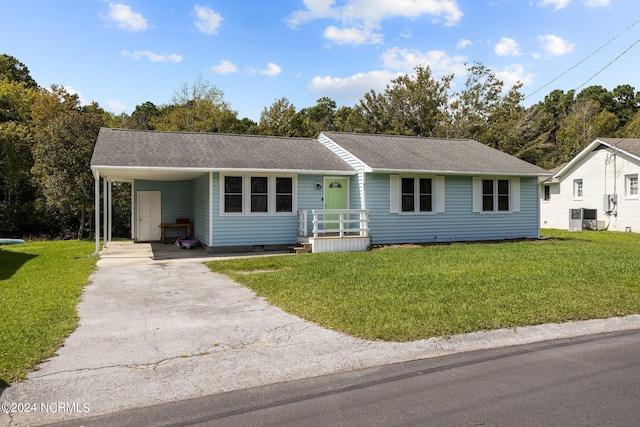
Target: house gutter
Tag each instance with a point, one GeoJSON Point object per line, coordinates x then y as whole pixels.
{"type": "Point", "coordinates": [460, 173]}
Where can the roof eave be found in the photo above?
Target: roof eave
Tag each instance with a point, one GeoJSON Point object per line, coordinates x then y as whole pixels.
{"type": "Point", "coordinates": [460, 173]}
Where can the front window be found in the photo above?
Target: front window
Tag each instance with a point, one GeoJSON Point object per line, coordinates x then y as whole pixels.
{"type": "Point", "coordinates": [258, 194]}
{"type": "Point", "coordinates": [632, 186]}
{"type": "Point", "coordinates": [577, 189]}
{"type": "Point", "coordinates": [284, 194]}
{"type": "Point", "coordinates": [233, 194]}
{"type": "Point", "coordinates": [417, 195]}
{"type": "Point", "coordinates": [495, 195]}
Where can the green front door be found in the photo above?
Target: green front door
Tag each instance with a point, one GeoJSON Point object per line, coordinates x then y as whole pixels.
{"type": "Point", "coordinates": [336, 191]}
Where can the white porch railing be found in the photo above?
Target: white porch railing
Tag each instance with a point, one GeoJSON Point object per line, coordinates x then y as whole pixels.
{"type": "Point", "coordinates": [340, 222]}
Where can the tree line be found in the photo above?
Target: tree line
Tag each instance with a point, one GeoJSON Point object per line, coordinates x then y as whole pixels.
{"type": "Point", "coordinates": [47, 136]}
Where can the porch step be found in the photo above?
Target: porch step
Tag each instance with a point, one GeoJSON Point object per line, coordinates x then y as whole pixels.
{"type": "Point", "coordinates": [302, 248]}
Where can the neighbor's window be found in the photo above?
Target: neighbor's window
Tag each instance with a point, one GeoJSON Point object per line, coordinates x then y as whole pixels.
{"type": "Point", "coordinates": [632, 186]}
{"type": "Point", "coordinates": [495, 195]}
{"type": "Point", "coordinates": [547, 192]}
{"type": "Point", "coordinates": [233, 194]}
{"type": "Point", "coordinates": [577, 189]}
{"type": "Point", "coordinates": [417, 195]}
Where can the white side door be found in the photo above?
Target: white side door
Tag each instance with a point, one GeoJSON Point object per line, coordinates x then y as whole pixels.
{"type": "Point", "coordinates": [149, 216]}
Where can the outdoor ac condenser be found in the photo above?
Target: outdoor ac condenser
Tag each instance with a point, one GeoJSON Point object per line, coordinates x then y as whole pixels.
{"type": "Point", "coordinates": [583, 219]}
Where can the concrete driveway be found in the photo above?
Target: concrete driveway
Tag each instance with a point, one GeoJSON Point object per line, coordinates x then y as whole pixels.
{"type": "Point", "coordinates": [156, 326]}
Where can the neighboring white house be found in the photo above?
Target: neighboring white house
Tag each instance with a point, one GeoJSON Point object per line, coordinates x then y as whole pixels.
{"type": "Point", "coordinates": [597, 189]}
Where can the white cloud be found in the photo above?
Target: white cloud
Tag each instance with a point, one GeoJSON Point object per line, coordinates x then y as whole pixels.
{"type": "Point", "coordinates": [507, 47]}
{"type": "Point", "coordinates": [597, 3]}
{"type": "Point", "coordinates": [208, 20]}
{"type": "Point", "coordinates": [359, 18]}
{"type": "Point", "coordinates": [125, 18]}
{"type": "Point", "coordinates": [439, 61]}
{"type": "Point", "coordinates": [116, 106]}
{"type": "Point", "coordinates": [272, 70]}
{"type": "Point", "coordinates": [554, 45]}
{"type": "Point", "coordinates": [151, 56]}
{"type": "Point", "coordinates": [225, 67]}
{"type": "Point", "coordinates": [558, 4]}
{"type": "Point", "coordinates": [375, 10]}
{"type": "Point", "coordinates": [354, 36]}
{"type": "Point", "coordinates": [463, 44]}
{"type": "Point", "coordinates": [349, 90]}
{"type": "Point", "coordinates": [513, 74]}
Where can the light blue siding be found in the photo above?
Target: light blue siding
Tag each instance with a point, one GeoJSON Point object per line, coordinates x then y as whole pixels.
{"type": "Point", "coordinates": [176, 198]}
{"type": "Point", "coordinates": [263, 229]}
{"type": "Point", "coordinates": [457, 223]}
{"type": "Point", "coordinates": [201, 209]}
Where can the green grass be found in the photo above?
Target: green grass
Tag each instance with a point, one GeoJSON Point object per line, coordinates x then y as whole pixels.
{"type": "Point", "coordinates": [404, 294]}
{"type": "Point", "coordinates": [40, 286]}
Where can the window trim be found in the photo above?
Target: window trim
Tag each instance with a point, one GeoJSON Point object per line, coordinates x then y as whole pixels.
{"type": "Point", "coordinates": [437, 194]}
{"type": "Point", "coordinates": [627, 186]}
{"type": "Point", "coordinates": [578, 189]}
{"type": "Point", "coordinates": [246, 194]}
{"type": "Point", "coordinates": [477, 195]}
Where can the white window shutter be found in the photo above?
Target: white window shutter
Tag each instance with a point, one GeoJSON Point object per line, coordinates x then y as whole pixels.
{"type": "Point", "coordinates": [439, 187]}
{"type": "Point", "coordinates": [477, 194]}
{"type": "Point", "coordinates": [515, 195]}
{"type": "Point", "coordinates": [394, 194]}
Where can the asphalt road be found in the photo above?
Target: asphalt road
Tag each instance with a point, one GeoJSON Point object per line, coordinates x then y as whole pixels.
{"type": "Point", "coordinates": [587, 381]}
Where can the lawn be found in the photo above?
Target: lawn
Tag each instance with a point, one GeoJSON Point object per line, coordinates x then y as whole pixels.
{"type": "Point", "coordinates": [411, 293]}
{"type": "Point", "coordinates": [40, 286]}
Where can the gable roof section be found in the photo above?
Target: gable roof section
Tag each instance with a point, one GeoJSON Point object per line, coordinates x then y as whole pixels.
{"type": "Point", "coordinates": [392, 153]}
{"type": "Point", "coordinates": [628, 146]}
{"type": "Point", "coordinates": [152, 150]}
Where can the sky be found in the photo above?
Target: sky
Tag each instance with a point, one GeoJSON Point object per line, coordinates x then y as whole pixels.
{"type": "Point", "coordinates": [124, 53]}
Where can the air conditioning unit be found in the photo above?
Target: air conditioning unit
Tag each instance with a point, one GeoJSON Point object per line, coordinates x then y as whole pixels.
{"type": "Point", "coordinates": [609, 202]}
{"type": "Point", "coordinates": [583, 219]}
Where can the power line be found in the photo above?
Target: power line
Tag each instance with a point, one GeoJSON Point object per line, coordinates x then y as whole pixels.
{"type": "Point", "coordinates": [614, 60]}
{"type": "Point", "coordinates": [589, 56]}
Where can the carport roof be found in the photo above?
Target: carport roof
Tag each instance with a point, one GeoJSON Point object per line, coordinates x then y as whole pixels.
{"type": "Point", "coordinates": [124, 153]}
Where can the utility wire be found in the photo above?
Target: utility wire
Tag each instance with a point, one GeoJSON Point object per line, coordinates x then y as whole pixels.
{"type": "Point", "coordinates": [589, 56]}
{"type": "Point", "coordinates": [614, 60]}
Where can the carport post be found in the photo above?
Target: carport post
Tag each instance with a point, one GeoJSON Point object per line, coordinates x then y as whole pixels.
{"type": "Point", "coordinates": [110, 224]}
{"type": "Point", "coordinates": [96, 177]}
{"type": "Point", "coordinates": [105, 216]}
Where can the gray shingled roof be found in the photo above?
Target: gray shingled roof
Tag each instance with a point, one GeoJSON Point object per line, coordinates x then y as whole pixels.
{"type": "Point", "coordinates": [151, 149]}
{"type": "Point", "coordinates": [630, 145]}
{"type": "Point", "coordinates": [407, 153]}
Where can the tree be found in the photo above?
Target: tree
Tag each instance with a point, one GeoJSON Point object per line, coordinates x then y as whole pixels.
{"type": "Point", "coordinates": [62, 159]}
{"type": "Point", "coordinates": [143, 116]}
{"type": "Point", "coordinates": [197, 108]}
{"type": "Point", "coordinates": [15, 71]}
{"type": "Point", "coordinates": [282, 119]}
{"type": "Point", "coordinates": [320, 116]}
{"type": "Point", "coordinates": [575, 132]}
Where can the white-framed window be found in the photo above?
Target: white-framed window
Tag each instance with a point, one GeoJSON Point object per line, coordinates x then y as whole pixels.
{"type": "Point", "coordinates": [244, 194]}
{"type": "Point", "coordinates": [577, 189]}
{"type": "Point", "coordinates": [416, 194]}
{"type": "Point", "coordinates": [496, 195]}
{"type": "Point", "coordinates": [631, 186]}
{"type": "Point", "coordinates": [547, 193]}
